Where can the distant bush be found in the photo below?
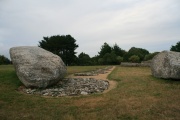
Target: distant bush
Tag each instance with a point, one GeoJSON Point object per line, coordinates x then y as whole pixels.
{"type": "Point", "coordinates": [176, 47]}
{"type": "Point", "coordinates": [150, 56]}
{"type": "Point", "coordinates": [119, 59]}
{"type": "Point", "coordinates": [4, 60]}
{"type": "Point", "coordinates": [141, 53]}
{"type": "Point", "coordinates": [134, 59]}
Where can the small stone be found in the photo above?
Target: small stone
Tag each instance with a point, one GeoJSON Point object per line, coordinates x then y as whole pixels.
{"type": "Point", "coordinates": [84, 93]}
{"type": "Point", "coordinates": [34, 90]}
{"type": "Point", "coordinates": [56, 90]}
{"type": "Point", "coordinates": [46, 94]}
{"type": "Point", "coordinates": [73, 87]}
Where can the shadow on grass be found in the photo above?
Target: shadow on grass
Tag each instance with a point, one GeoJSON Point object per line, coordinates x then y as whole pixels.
{"type": "Point", "coordinates": [170, 81]}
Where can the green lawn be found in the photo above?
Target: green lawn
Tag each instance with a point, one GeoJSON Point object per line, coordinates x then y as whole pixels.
{"type": "Point", "coordinates": [138, 96]}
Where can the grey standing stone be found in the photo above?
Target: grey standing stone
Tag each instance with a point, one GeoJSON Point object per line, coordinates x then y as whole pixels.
{"type": "Point", "coordinates": [166, 65]}
{"type": "Point", "coordinates": [36, 67]}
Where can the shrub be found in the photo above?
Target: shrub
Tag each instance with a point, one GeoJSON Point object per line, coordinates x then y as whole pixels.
{"type": "Point", "coordinates": [134, 59]}
{"type": "Point", "coordinates": [119, 59]}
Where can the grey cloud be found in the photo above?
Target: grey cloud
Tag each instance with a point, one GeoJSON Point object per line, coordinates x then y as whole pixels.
{"type": "Point", "coordinates": [92, 22]}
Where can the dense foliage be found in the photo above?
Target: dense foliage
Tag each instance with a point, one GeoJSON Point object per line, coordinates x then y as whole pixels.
{"type": "Point", "coordinates": [134, 59]}
{"type": "Point", "coordinates": [63, 46]}
{"type": "Point", "coordinates": [110, 55]}
{"type": "Point", "coordinates": [176, 47]}
{"type": "Point", "coordinates": [84, 59]}
{"type": "Point", "coordinates": [105, 49]}
{"type": "Point", "coordinates": [141, 53]}
{"type": "Point", "coordinates": [150, 56]}
{"type": "Point", "coordinates": [4, 60]}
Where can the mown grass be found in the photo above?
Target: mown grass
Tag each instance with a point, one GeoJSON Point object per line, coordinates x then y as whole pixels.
{"type": "Point", "coordinates": [138, 96]}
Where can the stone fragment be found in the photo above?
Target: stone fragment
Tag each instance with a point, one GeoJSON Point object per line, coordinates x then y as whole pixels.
{"type": "Point", "coordinates": [166, 65]}
{"type": "Point", "coordinates": [46, 94]}
{"type": "Point", "coordinates": [36, 67]}
{"type": "Point", "coordinates": [84, 93]}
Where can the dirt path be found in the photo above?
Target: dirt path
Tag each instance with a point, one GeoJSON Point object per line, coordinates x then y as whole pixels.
{"type": "Point", "coordinates": [101, 77]}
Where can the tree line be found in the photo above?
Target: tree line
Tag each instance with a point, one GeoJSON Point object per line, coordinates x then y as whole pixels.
{"type": "Point", "coordinates": [4, 60]}
{"type": "Point", "coordinates": [65, 46]}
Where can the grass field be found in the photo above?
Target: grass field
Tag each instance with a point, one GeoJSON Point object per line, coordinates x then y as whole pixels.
{"type": "Point", "coordinates": [138, 96]}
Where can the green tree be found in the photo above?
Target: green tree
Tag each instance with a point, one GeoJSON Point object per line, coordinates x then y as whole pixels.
{"type": "Point", "coordinates": [63, 46]}
{"type": "Point", "coordinates": [141, 53]}
{"type": "Point", "coordinates": [105, 48]}
{"type": "Point", "coordinates": [176, 47]}
{"type": "Point", "coordinates": [4, 60]}
{"type": "Point", "coordinates": [94, 60]}
{"type": "Point", "coordinates": [84, 59]}
{"type": "Point", "coordinates": [113, 58]}
{"type": "Point", "coordinates": [150, 56]}
{"type": "Point", "coordinates": [110, 58]}
{"type": "Point", "coordinates": [110, 55]}
{"type": "Point", "coordinates": [101, 61]}
{"type": "Point", "coordinates": [134, 59]}
{"type": "Point", "coordinates": [107, 58]}
{"type": "Point", "coordinates": [119, 59]}
{"type": "Point", "coordinates": [118, 51]}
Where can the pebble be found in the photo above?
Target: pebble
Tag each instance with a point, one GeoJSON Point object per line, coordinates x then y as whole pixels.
{"type": "Point", "coordinates": [84, 93]}
{"type": "Point", "coordinates": [72, 87]}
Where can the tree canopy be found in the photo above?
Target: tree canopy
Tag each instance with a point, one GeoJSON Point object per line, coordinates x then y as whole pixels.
{"type": "Point", "coordinates": [110, 55]}
{"type": "Point", "coordinates": [118, 51]}
{"type": "Point", "coordinates": [134, 59]}
{"type": "Point", "coordinates": [141, 53]}
{"type": "Point", "coordinates": [105, 48]}
{"type": "Point", "coordinates": [84, 59]}
{"type": "Point", "coordinates": [4, 60]}
{"type": "Point", "coordinates": [176, 47]}
{"type": "Point", "coordinates": [63, 46]}
{"type": "Point", "coordinates": [150, 56]}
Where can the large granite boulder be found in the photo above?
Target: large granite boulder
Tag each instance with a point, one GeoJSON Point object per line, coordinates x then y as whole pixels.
{"type": "Point", "coordinates": [36, 67]}
{"type": "Point", "coordinates": [166, 65]}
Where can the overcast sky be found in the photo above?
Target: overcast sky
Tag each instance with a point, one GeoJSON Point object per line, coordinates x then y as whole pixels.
{"type": "Point", "coordinates": [150, 24]}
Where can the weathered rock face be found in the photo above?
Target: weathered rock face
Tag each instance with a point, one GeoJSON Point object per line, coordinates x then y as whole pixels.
{"type": "Point", "coordinates": [36, 67]}
{"type": "Point", "coordinates": [166, 65]}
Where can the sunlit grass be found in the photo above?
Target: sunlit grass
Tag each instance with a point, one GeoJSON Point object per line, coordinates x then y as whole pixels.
{"type": "Point", "coordinates": [138, 96]}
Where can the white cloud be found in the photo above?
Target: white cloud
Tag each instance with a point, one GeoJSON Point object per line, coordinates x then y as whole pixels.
{"type": "Point", "coordinates": [141, 23]}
